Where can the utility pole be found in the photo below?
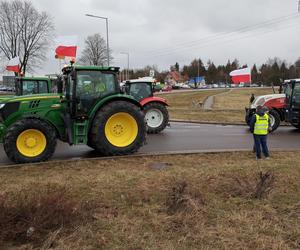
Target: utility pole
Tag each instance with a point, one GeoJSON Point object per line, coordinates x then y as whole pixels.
{"type": "Point", "coordinates": [127, 71]}
{"type": "Point", "coordinates": [107, 43]}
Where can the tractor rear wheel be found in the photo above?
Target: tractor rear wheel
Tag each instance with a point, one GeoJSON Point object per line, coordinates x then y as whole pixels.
{"type": "Point", "coordinates": [274, 119]}
{"type": "Point", "coordinates": [30, 140]}
{"type": "Point", "coordinates": [118, 129]}
{"type": "Point", "coordinates": [157, 117]}
{"type": "Point", "coordinates": [296, 125]}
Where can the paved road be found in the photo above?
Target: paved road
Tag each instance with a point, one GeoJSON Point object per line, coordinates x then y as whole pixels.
{"type": "Point", "coordinates": [190, 137]}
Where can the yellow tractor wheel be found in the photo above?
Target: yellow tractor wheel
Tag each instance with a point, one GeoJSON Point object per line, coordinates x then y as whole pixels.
{"type": "Point", "coordinates": [121, 129]}
{"type": "Point", "coordinates": [118, 128]}
{"type": "Point", "coordinates": [30, 140]}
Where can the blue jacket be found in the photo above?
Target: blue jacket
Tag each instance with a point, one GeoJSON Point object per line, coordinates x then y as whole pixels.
{"type": "Point", "coordinates": [253, 120]}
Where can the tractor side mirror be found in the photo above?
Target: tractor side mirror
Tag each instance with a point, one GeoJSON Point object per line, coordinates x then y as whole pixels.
{"type": "Point", "coordinates": [127, 89]}
{"type": "Point", "coordinates": [73, 75]}
{"type": "Point", "coordinates": [293, 84]}
{"type": "Point", "coordinates": [59, 84]}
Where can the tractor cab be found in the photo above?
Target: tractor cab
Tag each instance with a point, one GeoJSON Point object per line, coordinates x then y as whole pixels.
{"type": "Point", "coordinates": [154, 107]}
{"type": "Point", "coordinates": [85, 86]}
{"type": "Point", "coordinates": [139, 89]}
{"type": "Point", "coordinates": [35, 85]}
{"type": "Point", "coordinates": [292, 108]}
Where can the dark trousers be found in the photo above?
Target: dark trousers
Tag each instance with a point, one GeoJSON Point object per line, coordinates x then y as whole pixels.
{"type": "Point", "coordinates": [260, 143]}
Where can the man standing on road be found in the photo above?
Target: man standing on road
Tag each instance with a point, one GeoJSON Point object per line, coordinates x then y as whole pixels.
{"type": "Point", "coordinates": [260, 127]}
{"type": "Point", "coordinates": [252, 98]}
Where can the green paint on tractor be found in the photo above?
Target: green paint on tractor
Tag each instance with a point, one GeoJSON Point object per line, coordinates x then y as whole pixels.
{"type": "Point", "coordinates": [90, 110]}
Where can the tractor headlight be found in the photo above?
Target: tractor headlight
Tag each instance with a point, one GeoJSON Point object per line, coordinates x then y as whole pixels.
{"type": "Point", "coordinates": [2, 105]}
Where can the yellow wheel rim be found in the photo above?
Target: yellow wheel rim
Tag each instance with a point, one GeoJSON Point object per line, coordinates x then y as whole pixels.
{"type": "Point", "coordinates": [121, 129]}
{"type": "Point", "coordinates": [31, 142]}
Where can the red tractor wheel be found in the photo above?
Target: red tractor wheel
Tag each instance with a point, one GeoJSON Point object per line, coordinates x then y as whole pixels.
{"type": "Point", "coordinates": [157, 117]}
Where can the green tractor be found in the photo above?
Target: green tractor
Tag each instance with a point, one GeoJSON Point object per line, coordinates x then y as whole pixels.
{"type": "Point", "coordinates": [89, 110]}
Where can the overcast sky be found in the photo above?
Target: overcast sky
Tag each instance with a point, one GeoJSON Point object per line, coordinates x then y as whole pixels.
{"type": "Point", "coordinates": [162, 32]}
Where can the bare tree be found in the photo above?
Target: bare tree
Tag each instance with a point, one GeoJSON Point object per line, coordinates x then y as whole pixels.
{"type": "Point", "coordinates": [95, 51]}
{"type": "Point", "coordinates": [24, 32]}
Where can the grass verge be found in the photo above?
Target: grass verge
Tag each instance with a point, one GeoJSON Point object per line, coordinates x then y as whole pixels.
{"type": "Point", "coordinates": [228, 107]}
{"type": "Point", "coordinates": [199, 201]}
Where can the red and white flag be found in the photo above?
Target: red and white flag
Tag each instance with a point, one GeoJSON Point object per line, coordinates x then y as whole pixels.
{"type": "Point", "coordinates": [66, 46]}
{"type": "Point", "coordinates": [13, 64]}
{"type": "Point", "coordinates": [241, 75]}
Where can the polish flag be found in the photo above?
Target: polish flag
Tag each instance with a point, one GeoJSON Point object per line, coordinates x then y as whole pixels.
{"type": "Point", "coordinates": [241, 75]}
{"type": "Point", "coordinates": [66, 46]}
{"type": "Point", "coordinates": [13, 64]}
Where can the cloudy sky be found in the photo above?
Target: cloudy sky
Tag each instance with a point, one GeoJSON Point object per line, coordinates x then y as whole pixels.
{"type": "Point", "coordinates": [162, 32]}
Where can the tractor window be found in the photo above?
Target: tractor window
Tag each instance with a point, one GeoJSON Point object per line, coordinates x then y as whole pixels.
{"type": "Point", "coordinates": [288, 90]}
{"type": "Point", "coordinates": [93, 85]}
{"type": "Point", "coordinates": [140, 90]}
{"type": "Point", "coordinates": [30, 87]}
{"type": "Point", "coordinates": [296, 94]}
{"type": "Point", "coordinates": [43, 87]}
{"type": "Point", "coordinates": [34, 87]}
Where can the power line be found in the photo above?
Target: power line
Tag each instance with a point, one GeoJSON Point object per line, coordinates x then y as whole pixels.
{"type": "Point", "coordinates": [223, 35]}
{"type": "Point", "coordinates": [213, 43]}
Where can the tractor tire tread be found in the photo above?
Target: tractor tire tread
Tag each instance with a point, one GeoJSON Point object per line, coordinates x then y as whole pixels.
{"type": "Point", "coordinates": [276, 116]}
{"type": "Point", "coordinates": [97, 137]}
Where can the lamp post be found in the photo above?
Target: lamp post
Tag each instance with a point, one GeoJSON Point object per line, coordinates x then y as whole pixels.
{"type": "Point", "coordinates": [107, 43]}
{"type": "Point", "coordinates": [127, 71]}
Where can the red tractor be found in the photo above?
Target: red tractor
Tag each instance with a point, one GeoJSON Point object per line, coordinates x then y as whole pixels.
{"type": "Point", "coordinates": [276, 104]}
{"type": "Point", "coordinates": [156, 113]}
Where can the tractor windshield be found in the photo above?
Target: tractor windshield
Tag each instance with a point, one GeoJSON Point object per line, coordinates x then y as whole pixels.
{"type": "Point", "coordinates": [28, 87]}
{"type": "Point", "coordinates": [140, 90]}
{"type": "Point", "coordinates": [296, 96]}
{"type": "Point", "coordinates": [293, 95]}
{"type": "Point", "coordinates": [92, 85]}
{"type": "Point", "coordinates": [288, 91]}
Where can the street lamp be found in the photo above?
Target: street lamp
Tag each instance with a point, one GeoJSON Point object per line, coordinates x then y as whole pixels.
{"type": "Point", "coordinates": [127, 71]}
{"type": "Point", "coordinates": [107, 44]}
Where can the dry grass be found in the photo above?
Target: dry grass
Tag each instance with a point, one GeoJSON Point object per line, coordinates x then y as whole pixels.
{"type": "Point", "coordinates": [36, 211]}
{"type": "Point", "coordinates": [238, 99]}
{"type": "Point", "coordinates": [201, 201]}
{"type": "Point", "coordinates": [187, 99]}
{"type": "Point", "coordinates": [200, 115]}
{"type": "Point", "coordinates": [228, 105]}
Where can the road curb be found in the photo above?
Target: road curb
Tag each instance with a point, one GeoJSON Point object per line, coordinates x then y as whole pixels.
{"type": "Point", "coordinates": [208, 123]}
{"type": "Point", "coordinates": [218, 123]}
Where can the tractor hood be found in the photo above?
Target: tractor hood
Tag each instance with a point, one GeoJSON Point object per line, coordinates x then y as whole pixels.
{"type": "Point", "coordinates": [7, 99]}
{"type": "Point", "coordinates": [270, 101]}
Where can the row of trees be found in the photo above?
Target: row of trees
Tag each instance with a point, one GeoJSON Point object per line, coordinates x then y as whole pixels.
{"type": "Point", "coordinates": [274, 71]}
{"type": "Point", "coordinates": [24, 32]}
